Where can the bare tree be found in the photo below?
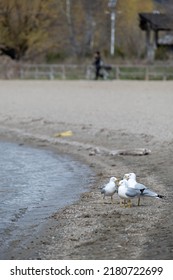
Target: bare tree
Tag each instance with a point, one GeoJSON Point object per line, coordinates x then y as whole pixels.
{"type": "Point", "coordinates": [85, 21]}
{"type": "Point", "coordinates": [23, 26]}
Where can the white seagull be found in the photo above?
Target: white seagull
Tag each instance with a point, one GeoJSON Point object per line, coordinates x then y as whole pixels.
{"type": "Point", "coordinates": [132, 183]}
{"type": "Point", "coordinates": [125, 192]}
{"type": "Point", "coordinates": [110, 188]}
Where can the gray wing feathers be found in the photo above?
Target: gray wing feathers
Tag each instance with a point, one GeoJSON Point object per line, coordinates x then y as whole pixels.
{"type": "Point", "coordinates": [132, 192]}
{"type": "Point", "coordinates": [103, 190]}
{"type": "Point", "coordinates": [139, 186]}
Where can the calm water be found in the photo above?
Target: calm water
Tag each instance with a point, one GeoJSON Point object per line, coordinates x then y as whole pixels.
{"type": "Point", "coordinates": [34, 183]}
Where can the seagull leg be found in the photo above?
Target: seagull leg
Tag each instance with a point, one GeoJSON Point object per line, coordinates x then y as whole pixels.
{"type": "Point", "coordinates": [121, 203]}
{"type": "Point", "coordinates": [139, 201]}
{"type": "Point", "coordinates": [129, 204]}
{"type": "Point", "coordinates": [112, 199]}
{"type": "Point", "coordinates": [125, 202]}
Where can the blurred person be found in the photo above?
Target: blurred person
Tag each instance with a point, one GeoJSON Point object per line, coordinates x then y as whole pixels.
{"type": "Point", "coordinates": [98, 63]}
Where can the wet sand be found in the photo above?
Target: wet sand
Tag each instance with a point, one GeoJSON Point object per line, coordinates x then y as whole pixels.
{"type": "Point", "coordinates": [111, 122]}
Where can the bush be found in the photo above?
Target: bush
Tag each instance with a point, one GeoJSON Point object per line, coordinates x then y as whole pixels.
{"type": "Point", "coordinates": [161, 53]}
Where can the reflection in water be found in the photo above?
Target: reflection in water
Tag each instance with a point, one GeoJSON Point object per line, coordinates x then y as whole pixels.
{"type": "Point", "coordinates": [34, 183]}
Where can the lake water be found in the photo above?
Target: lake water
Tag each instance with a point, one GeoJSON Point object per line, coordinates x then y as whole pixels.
{"type": "Point", "coordinates": [34, 183]}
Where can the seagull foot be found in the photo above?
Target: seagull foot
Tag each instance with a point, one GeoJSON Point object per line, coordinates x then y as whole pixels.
{"type": "Point", "coordinates": [129, 204]}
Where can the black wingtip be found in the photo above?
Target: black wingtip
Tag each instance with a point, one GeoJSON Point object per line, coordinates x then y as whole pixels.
{"type": "Point", "coordinates": [142, 191]}
{"type": "Point", "coordinates": [160, 196]}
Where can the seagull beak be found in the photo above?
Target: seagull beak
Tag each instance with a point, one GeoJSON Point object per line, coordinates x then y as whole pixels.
{"type": "Point", "coordinates": [117, 181]}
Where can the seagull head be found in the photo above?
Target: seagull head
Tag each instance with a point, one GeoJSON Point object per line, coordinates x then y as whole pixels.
{"type": "Point", "coordinates": [113, 179]}
{"type": "Point", "coordinates": [123, 182]}
{"type": "Point", "coordinates": [128, 176]}
{"type": "Point", "coordinates": [132, 176]}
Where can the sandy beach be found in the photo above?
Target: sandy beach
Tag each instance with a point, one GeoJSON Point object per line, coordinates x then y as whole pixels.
{"type": "Point", "coordinates": [117, 127]}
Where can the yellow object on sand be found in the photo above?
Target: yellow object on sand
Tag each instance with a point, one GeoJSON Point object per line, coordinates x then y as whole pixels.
{"type": "Point", "coordinates": [64, 134]}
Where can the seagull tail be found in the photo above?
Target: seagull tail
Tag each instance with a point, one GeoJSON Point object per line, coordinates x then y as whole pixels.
{"type": "Point", "coordinates": [103, 191]}
{"type": "Point", "coordinates": [150, 193]}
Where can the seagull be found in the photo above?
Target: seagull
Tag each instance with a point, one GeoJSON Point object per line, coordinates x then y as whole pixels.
{"type": "Point", "coordinates": [110, 188]}
{"type": "Point", "coordinates": [132, 183]}
{"type": "Point", "coordinates": [125, 192]}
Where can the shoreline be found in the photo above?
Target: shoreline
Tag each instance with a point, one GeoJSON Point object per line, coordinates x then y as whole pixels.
{"type": "Point", "coordinates": [89, 228]}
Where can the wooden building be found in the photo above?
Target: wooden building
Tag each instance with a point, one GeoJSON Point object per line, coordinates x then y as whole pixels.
{"type": "Point", "coordinates": [153, 24]}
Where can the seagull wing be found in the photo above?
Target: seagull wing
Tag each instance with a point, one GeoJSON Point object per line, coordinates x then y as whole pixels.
{"type": "Point", "coordinates": [150, 193]}
{"type": "Point", "coordinates": [130, 192]}
{"type": "Point", "coordinates": [140, 187]}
